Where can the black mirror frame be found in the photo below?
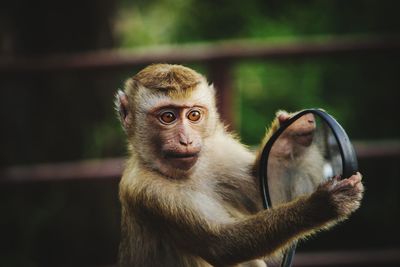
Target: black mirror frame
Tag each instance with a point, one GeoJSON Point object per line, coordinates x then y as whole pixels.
{"type": "Point", "coordinates": [348, 155]}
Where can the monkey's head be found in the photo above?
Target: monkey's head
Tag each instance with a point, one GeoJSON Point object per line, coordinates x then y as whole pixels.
{"type": "Point", "coordinates": [296, 138]}
{"type": "Point", "coordinates": [167, 111]}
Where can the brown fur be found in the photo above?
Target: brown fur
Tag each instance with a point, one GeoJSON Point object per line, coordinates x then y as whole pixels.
{"type": "Point", "coordinates": [210, 214]}
{"type": "Point", "coordinates": [168, 77]}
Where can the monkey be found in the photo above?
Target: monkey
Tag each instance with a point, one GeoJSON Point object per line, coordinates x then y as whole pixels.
{"type": "Point", "coordinates": [296, 161]}
{"type": "Point", "coordinates": [188, 193]}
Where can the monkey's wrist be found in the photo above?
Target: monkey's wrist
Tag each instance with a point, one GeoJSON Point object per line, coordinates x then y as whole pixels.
{"type": "Point", "coordinates": [322, 207]}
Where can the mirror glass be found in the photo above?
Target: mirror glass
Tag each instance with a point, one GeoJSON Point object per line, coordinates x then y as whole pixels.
{"type": "Point", "coordinates": [307, 150]}
{"type": "Point", "coordinates": [303, 156]}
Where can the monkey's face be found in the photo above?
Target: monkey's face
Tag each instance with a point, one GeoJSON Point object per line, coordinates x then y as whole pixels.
{"type": "Point", "coordinates": [296, 138]}
{"type": "Point", "coordinates": [302, 130]}
{"type": "Point", "coordinates": [174, 129]}
{"type": "Point", "coordinates": [180, 134]}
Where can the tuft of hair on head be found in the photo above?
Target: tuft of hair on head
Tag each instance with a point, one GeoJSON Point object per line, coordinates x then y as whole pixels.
{"type": "Point", "coordinates": [168, 77]}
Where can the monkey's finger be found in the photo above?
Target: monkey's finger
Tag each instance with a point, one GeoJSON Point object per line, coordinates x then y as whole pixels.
{"type": "Point", "coordinates": [360, 187]}
{"type": "Point", "coordinates": [346, 182]}
{"type": "Point", "coordinates": [354, 179]}
{"type": "Point", "coordinates": [352, 194]}
{"type": "Point", "coordinates": [357, 176]}
{"type": "Point", "coordinates": [343, 185]}
{"type": "Point", "coordinates": [283, 116]}
{"type": "Point", "coordinates": [328, 185]}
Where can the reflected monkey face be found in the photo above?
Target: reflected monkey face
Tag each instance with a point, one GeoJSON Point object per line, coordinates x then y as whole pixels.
{"type": "Point", "coordinates": [302, 130]}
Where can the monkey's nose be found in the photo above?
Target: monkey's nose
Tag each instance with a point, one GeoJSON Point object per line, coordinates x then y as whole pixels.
{"type": "Point", "coordinates": [184, 140]}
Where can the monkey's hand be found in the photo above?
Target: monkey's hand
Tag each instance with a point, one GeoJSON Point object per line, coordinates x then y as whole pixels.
{"type": "Point", "coordinates": [343, 195]}
{"type": "Point", "coordinates": [283, 116]}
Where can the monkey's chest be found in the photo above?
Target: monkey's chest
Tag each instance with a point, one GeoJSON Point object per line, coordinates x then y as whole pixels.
{"type": "Point", "coordinates": [238, 201]}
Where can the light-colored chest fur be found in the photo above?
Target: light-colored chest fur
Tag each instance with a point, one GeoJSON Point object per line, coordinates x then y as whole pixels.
{"type": "Point", "coordinates": [230, 190]}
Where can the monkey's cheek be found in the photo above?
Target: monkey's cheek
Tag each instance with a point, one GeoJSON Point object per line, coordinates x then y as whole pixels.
{"type": "Point", "coordinates": [184, 164]}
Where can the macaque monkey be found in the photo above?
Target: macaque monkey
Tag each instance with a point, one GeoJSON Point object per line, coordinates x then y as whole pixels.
{"type": "Point", "coordinates": [189, 194]}
{"type": "Point", "coordinates": [296, 163]}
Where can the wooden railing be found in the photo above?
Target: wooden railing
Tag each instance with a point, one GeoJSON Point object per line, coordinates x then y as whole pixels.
{"type": "Point", "coordinates": [219, 57]}
{"type": "Point", "coordinates": [362, 258]}
{"type": "Point", "coordinates": [112, 168]}
{"type": "Point", "coordinates": [223, 51]}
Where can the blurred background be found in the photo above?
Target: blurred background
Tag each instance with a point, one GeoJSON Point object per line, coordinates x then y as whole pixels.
{"type": "Point", "coordinates": [62, 147]}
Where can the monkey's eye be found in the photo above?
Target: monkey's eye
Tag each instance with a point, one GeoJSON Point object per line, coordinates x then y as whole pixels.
{"type": "Point", "coordinates": [194, 115]}
{"type": "Point", "coordinates": [167, 117]}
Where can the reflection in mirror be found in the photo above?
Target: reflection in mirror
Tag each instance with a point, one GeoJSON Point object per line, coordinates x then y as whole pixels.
{"type": "Point", "coordinates": [302, 157]}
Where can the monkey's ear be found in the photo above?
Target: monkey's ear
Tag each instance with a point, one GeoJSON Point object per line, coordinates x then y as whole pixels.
{"type": "Point", "coordinates": [122, 106]}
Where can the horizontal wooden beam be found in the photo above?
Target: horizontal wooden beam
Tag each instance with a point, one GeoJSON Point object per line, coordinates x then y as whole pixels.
{"type": "Point", "coordinates": [377, 149]}
{"type": "Point", "coordinates": [383, 257]}
{"type": "Point", "coordinates": [53, 172]}
{"type": "Point", "coordinates": [355, 258]}
{"type": "Point", "coordinates": [230, 51]}
{"type": "Point", "coordinates": [112, 168]}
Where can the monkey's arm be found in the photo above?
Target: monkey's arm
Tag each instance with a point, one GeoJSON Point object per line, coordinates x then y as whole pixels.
{"type": "Point", "coordinates": [249, 238]}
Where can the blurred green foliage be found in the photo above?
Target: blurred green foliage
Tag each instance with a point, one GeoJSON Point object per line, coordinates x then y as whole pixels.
{"type": "Point", "coordinates": [263, 87]}
{"type": "Point", "coordinates": [361, 93]}
{"type": "Point", "coordinates": [179, 21]}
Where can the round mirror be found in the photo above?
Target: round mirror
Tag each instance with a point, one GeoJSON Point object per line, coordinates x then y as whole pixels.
{"type": "Point", "coordinates": [306, 150]}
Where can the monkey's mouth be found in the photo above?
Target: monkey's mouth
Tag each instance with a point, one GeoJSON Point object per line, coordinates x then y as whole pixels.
{"type": "Point", "coordinates": [304, 138]}
{"type": "Point", "coordinates": [175, 155]}
{"type": "Point", "coordinates": [305, 133]}
{"type": "Point", "coordinates": [183, 161]}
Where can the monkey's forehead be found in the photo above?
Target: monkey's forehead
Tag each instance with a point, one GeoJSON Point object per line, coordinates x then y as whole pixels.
{"type": "Point", "coordinates": [201, 95]}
